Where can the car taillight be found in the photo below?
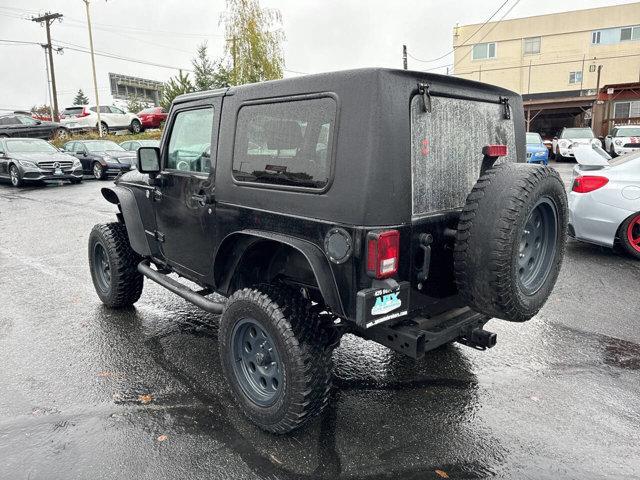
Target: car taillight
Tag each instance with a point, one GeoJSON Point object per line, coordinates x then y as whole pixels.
{"type": "Point", "coordinates": [383, 251]}
{"type": "Point", "coordinates": [588, 183]}
{"type": "Point", "coordinates": [84, 113]}
{"type": "Point", "coordinates": [495, 150]}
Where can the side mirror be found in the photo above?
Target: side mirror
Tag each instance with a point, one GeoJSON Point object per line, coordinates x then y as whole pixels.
{"type": "Point", "coordinates": [149, 160]}
{"type": "Point", "coordinates": [555, 138]}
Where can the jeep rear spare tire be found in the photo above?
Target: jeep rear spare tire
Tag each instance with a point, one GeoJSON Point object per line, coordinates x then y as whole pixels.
{"type": "Point", "coordinates": [511, 240]}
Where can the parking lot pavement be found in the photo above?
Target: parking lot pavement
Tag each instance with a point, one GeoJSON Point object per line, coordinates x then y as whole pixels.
{"type": "Point", "coordinates": [88, 392]}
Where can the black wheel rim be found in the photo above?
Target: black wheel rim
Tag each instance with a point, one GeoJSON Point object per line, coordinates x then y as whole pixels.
{"type": "Point", "coordinates": [101, 267]}
{"type": "Point", "coordinates": [256, 363]}
{"type": "Point", "coordinates": [537, 249]}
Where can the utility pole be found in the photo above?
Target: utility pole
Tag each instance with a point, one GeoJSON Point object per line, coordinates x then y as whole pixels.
{"type": "Point", "coordinates": [404, 57]}
{"type": "Point", "coordinates": [47, 19]}
{"type": "Point", "coordinates": [46, 67]}
{"type": "Point", "coordinates": [93, 67]}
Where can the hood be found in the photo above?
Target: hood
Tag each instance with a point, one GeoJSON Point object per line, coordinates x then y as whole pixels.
{"type": "Point", "coordinates": [43, 157]}
{"type": "Point", "coordinates": [536, 147]}
{"type": "Point", "coordinates": [580, 141]}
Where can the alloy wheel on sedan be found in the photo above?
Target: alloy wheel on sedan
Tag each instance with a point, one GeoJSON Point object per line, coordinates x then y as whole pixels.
{"type": "Point", "coordinates": [14, 174]}
{"type": "Point", "coordinates": [633, 233]}
{"type": "Point", "coordinates": [98, 171]}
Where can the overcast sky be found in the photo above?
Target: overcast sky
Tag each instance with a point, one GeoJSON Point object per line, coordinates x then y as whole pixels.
{"type": "Point", "coordinates": [321, 36]}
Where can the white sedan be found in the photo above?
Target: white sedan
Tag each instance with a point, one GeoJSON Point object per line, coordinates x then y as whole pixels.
{"type": "Point", "coordinates": [623, 139]}
{"type": "Point", "coordinates": [604, 204]}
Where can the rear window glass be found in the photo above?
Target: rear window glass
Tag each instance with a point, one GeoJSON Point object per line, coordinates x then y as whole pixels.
{"type": "Point", "coordinates": [285, 143]}
{"type": "Point", "coordinates": [73, 110]}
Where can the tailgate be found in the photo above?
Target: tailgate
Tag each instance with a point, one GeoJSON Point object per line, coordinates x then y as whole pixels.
{"type": "Point", "coordinates": [446, 148]}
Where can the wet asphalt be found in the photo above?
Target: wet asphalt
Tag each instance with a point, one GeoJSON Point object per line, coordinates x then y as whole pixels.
{"type": "Point", "coordinates": [86, 392]}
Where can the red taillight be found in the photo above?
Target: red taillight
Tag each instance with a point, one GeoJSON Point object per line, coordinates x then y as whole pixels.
{"type": "Point", "coordinates": [383, 250]}
{"type": "Point", "coordinates": [495, 150]}
{"type": "Point", "coordinates": [84, 113]}
{"type": "Point", "coordinates": [588, 183]}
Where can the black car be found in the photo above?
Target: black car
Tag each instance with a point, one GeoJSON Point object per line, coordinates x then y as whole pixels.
{"type": "Point", "coordinates": [25, 160]}
{"type": "Point", "coordinates": [323, 205]}
{"type": "Point", "coordinates": [101, 158]}
{"type": "Point", "coordinates": [24, 126]}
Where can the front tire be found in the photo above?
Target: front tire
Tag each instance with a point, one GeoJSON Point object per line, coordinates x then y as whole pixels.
{"type": "Point", "coordinates": [103, 127]}
{"type": "Point", "coordinates": [629, 236]}
{"type": "Point", "coordinates": [276, 357]}
{"type": "Point", "coordinates": [16, 177]}
{"type": "Point", "coordinates": [510, 241]}
{"type": "Point", "coordinates": [60, 134]}
{"type": "Point", "coordinates": [113, 265]}
{"type": "Point", "coordinates": [135, 127]}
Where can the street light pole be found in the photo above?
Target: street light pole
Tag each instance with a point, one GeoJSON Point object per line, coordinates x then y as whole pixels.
{"type": "Point", "coordinates": [46, 66]}
{"type": "Point", "coordinates": [93, 67]}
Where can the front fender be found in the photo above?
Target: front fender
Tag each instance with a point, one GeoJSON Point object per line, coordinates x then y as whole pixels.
{"type": "Point", "coordinates": [126, 201]}
{"type": "Point", "coordinates": [237, 243]}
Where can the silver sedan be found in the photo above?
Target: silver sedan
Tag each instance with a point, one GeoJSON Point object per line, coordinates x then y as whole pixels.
{"type": "Point", "coordinates": [604, 204]}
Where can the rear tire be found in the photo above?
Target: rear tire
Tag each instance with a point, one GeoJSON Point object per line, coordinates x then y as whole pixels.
{"type": "Point", "coordinates": [60, 134]}
{"type": "Point", "coordinates": [114, 265]}
{"type": "Point", "coordinates": [98, 171]}
{"type": "Point", "coordinates": [629, 236]}
{"type": "Point", "coordinates": [104, 127]}
{"type": "Point", "coordinates": [292, 385]}
{"type": "Point", "coordinates": [510, 241]}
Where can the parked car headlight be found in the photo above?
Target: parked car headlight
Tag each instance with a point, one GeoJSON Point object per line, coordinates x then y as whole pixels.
{"type": "Point", "coordinates": [539, 154]}
{"type": "Point", "coordinates": [28, 163]}
{"type": "Point", "coordinates": [596, 142]}
{"type": "Point", "coordinates": [618, 142]}
{"type": "Point", "coordinates": [563, 143]}
{"type": "Point", "coordinates": [107, 158]}
{"type": "Point", "coordinates": [76, 163]}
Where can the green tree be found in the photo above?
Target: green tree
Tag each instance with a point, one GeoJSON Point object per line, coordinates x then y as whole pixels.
{"type": "Point", "coordinates": [254, 41]}
{"type": "Point", "coordinates": [177, 85]}
{"type": "Point", "coordinates": [135, 104]}
{"type": "Point", "coordinates": [209, 74]}
{"type": "Point", "coordinates": [80, 98]}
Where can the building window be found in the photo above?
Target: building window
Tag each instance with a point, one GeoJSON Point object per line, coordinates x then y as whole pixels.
{"type": "Point", "coordinates": [610, 36]}
{"type": "Point", "coordinates": [531, 45]}
{"type": "Point", "coordinates": [484, 50]}
{"type": "Point", "coordinates": [575, 77]}
{"type": "Point", "coordinates": [626, 109]}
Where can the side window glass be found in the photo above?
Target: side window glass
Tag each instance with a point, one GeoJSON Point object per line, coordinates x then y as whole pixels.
{"type": "Point", "coordinates": [190, 142]}
{"type": "Point", "coordinates": [27, 120]}
{"type": "Point", "coordinates": [285, 143]}
{"type": "Point", "coordinates": [105, 110]}
{"type": "Point", "coordinates": [68, 147]}
{"type": "Point", "coordinates": [93, 109]}
{"type": "Point", "coordinates": [116, 110]}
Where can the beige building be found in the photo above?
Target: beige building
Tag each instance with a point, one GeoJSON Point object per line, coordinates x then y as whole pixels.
{"type": "Point", "coordinates": [553, 53]}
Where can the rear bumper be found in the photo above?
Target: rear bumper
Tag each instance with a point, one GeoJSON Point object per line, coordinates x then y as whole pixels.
{"type": "Point", "coordinates": [419, 335]}
{"type": "Point", "coordinates": [592, 221]}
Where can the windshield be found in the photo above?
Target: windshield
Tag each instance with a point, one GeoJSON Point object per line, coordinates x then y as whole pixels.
{"type": "Point", "coordinates": [628, 132]}
{"type": "Point", "coordinates": [577, 133]}
{"type": "Point", "coordinates": [30, 146]}
{"type": "Point", "coordinates": [533, 139]}
{"type": "Point", "coordinates": [103, 146]}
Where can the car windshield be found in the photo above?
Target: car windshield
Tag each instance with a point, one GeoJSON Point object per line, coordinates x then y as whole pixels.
{"type": "Point", "coordinates": [533, 139]}
{"type": "Point", "coordinates": [628, 132]}
{"type": "Point", "coordinates": [103, 146]}
{"type": "Point", "coordinates": [30, 146]}
{"type": "Point", "coordinates": [577, 133]}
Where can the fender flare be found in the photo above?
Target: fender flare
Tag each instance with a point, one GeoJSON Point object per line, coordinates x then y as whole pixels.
{"type": "Point", "coordinates": [239, 242]}
{"type": "Point", "coordinates": [126, 201]}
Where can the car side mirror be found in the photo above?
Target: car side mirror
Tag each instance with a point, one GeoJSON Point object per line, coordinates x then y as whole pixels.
{"type": "Point", "coordinates": [149, 160]}
{"type": "Point", "coordinates": [555, 138]}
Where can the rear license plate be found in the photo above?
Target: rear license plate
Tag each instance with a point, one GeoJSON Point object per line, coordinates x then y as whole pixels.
{"type": "Point", "coordinates": [377, 305]}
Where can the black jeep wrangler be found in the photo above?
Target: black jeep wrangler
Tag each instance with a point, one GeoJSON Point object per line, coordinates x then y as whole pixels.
{"type": "Point", "coordinates": [390, 204]}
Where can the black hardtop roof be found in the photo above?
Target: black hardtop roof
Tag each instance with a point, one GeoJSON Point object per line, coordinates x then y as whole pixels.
{"type": "Point", "coordinates": [286, 85]}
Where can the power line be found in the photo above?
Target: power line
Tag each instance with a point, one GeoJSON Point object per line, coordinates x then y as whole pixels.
{"type": "Point", "coordinates": [468, 39]}
{"type": "Point", "coordinates": [490, 30]}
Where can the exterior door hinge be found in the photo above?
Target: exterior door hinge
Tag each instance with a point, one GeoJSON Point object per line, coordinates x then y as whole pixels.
{"type": "Point", "coordinates": [507, 108]}
{"type": "Point", "coordinates": [423, 89]}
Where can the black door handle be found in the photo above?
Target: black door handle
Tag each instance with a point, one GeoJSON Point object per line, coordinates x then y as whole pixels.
{"type": "Point", "coordinates": [202, 199]}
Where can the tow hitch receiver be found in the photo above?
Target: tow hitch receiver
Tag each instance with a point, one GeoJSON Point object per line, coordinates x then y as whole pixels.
{"type": "Point", "coordinates": [479, 339]}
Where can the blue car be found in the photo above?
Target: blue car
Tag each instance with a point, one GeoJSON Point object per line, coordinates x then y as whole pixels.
{"type": "Point", "coordinates": [537, 151]}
